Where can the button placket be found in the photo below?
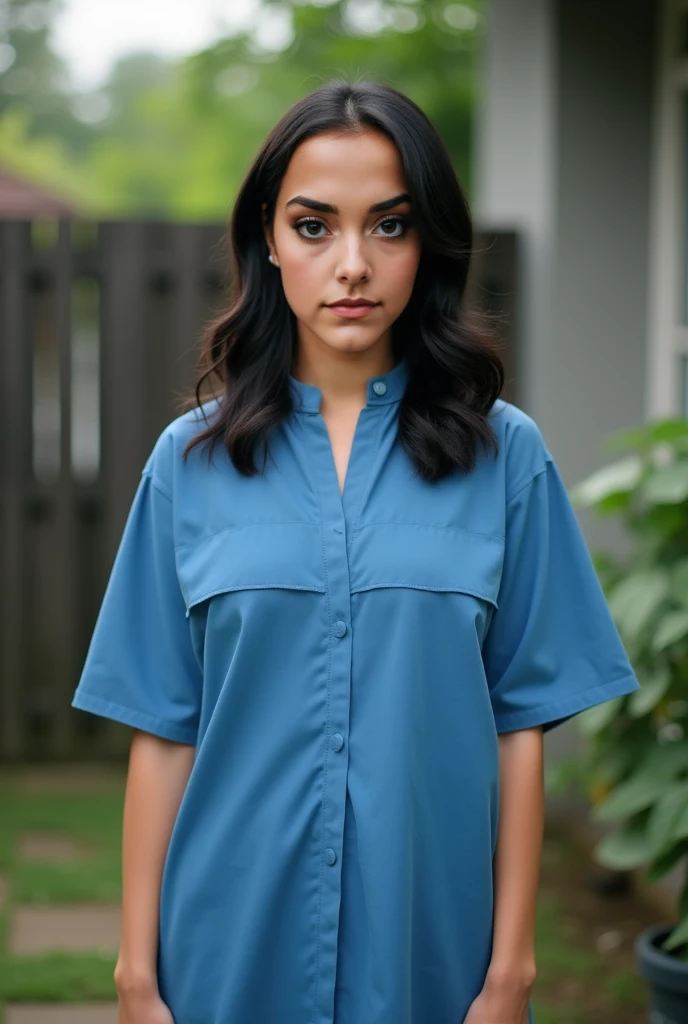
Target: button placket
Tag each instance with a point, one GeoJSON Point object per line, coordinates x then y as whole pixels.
{"type": "Point", "coordinates": [339, 513]}
{"type": "Point", "coordinates": [339, 517]}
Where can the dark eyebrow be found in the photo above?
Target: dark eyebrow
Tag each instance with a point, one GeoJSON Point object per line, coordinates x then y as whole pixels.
{"type": "Point", "coordinates": [314, 204]}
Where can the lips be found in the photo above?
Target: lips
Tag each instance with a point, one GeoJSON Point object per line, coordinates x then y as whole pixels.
{"type": "Point", "coordinates": [352, 309]}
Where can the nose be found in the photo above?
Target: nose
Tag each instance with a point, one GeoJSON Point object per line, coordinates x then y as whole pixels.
{"type": "Point", "coordinates": [353, 264]}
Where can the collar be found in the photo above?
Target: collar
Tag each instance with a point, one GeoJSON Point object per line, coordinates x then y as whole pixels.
{"type": "Point", "coordinates": [381, 390]}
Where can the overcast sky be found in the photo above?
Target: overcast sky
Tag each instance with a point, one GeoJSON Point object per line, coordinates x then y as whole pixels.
{"type": "Point", "coordinates": [92, 34]}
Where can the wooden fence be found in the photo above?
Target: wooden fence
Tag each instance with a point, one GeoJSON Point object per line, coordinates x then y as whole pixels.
{"type": "Point", "coordinates": [99, 327]}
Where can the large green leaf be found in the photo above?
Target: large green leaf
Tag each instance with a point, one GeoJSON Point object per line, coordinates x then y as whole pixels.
{"type": "Point", "coordinates": [636, 794]}
{"type": "Point", "coordinates": [617, 478]}
{"type": "Point", "coordinates": [681, 824]}
{"type": "Point", "coordinates": [615, 760]}
{"type": "Point", "coordinates": [647, 435]}
{"type": "Point", "coordinates": [663, 764]}
{"type": "Point", "coordinates": [679, 581]}
{"type": "Point", "coordinates": [683, 902]}
{"type": "Point", "coordinates": [677, 937]}
{"type": "Point", "coordinates": [623, 851]}
{"type": "Point", "coordinates": [667, 484]}
{"type": "Point", "coordinates": [665, 815]}
{"type": "Point", "coordinates": [657, 525]}
{"type": "Point", "coordinates": [666, 760]}
{"type": "Point", "coordinates": [652, 689]}
{"type": "Point", "coordinates": [666, 861]}
{"type": "Point", "coordinates": [637, 597]}
{"type": "Point", "coordinates": [592, 720]}
{"type": "Point", "coordinates": [672, 628]}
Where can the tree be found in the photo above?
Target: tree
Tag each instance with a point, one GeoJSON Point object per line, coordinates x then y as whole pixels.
{"type": "Point", "coordinates": [175, 139]}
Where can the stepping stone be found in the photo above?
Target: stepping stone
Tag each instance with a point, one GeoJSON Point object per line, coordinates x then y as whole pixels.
{"type": "Point", "coordinates": [45, 846]}
{"type": "Point", "coordinates": [61, 1013]}
{"type": "Point", "coordinates": [82, 927]}
{"type": "Point", "coordinates": [69, 778]}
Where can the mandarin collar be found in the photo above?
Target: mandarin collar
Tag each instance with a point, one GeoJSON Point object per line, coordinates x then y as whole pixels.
{"type": "Point", "coordinates": [381, 390]}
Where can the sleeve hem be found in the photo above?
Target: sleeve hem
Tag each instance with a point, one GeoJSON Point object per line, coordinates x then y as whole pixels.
{"type": "Point", "coordinates": [543, 714]}
{"type": "Point", "coordinates": [135, 718]}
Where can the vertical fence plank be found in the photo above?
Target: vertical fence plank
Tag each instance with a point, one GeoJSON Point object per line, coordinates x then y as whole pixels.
{"type": "Point", "coordinates": [65, 519]}
{"type": "Point", "coordinates": [15, 468]}
{"type": "Point", "coordinates": [187, 260]}
{"type": "Point", "coordinates": [125, 392]}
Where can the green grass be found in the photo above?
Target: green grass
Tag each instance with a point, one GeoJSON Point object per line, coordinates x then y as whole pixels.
{"type": "Point", "coordinates": [560, 958]}
{"type": "Point", "coordinates": [59, 978]}
{"type": "Point", "coordinates": [90, 819]}
{"type": "Point", "coordinates": [566, 966]}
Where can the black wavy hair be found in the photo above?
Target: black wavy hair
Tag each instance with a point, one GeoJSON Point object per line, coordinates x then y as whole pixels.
{"type": "Point", "coordinates": [455, 373]}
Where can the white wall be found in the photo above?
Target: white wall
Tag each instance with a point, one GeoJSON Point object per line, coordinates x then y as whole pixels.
{"type": "Point", "coordinates": [563, 154]}
{"type": "Point", "coordinates": [515, 170]}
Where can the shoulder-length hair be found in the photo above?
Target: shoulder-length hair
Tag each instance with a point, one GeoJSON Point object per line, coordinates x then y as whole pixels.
{"type": "Point", "coordinates": [455, 374]}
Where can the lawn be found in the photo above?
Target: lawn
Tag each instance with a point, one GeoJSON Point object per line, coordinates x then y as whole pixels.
{"type": "Point", "coordinates": [576, 983]}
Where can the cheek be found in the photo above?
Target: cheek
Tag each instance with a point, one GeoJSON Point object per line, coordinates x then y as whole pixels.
{"type": "Point", "coordinates": [302, 277]}
{"type": "Point", "coordinates": [400, 275]}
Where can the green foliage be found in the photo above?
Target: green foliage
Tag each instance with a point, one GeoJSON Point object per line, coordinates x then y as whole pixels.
{"type": "Point", "coordinates": [175, 139]}
{"type": "Point", "coordinates": [635, 764]}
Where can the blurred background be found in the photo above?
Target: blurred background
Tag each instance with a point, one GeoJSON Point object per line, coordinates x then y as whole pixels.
{"type": "Point", "coordinates": [125, 131]}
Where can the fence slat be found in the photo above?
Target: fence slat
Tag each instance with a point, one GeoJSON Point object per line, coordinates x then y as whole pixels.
{"type": "Point", "coordinates": [15, 460]}
{"type": "Point", "coordinates": [66, 525]}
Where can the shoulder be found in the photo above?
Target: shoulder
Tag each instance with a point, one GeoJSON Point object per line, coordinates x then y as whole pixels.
{"type": "Point", "coordinates": [522, 448]}
{"type": "Point", "coordinates": [164, 462]}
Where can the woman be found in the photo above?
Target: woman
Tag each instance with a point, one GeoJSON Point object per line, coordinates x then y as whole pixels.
{"type": "Point", "coordinates": [341, 635]}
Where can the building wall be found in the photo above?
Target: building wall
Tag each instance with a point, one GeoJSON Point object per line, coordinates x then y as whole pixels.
{"type": "Point", "coordinates": [563, 154]}
{"type": "Point", "coordinates": [606, 58]}
{"type": "Point", "coordinates": [514, 178]}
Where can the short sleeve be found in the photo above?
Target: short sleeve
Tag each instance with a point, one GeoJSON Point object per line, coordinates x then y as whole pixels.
{"type": "Point", "coordinates": [552, 648]}
{"type": "Point", "coordinates": [140, 668]}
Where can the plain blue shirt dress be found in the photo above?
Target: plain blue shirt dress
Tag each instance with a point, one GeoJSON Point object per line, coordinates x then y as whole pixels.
{"type": "Point", "coordinates": [343, 665]}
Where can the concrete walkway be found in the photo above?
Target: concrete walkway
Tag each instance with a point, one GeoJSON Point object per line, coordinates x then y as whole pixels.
{"type": "Point", "coordinates": [75, 928]}
{"type": "Point", "coordinates": [44, 1013]}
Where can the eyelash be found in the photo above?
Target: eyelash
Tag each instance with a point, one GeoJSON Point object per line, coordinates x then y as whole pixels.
{"type": "Point", "coordinates": [315, 220]}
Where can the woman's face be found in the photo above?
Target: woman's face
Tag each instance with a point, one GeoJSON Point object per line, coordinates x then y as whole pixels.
{"type": "Point", "coordinates": [330, 244]}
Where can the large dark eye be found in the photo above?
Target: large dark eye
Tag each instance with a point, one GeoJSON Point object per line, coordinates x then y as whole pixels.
{"type": "Point", "coordinates": [311, 227]}
{"type": "Point", "coordinates": [393, 223]}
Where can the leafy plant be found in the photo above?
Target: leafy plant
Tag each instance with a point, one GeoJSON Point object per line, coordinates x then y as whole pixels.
{"type": "Point", "coordinates": [634, 765]}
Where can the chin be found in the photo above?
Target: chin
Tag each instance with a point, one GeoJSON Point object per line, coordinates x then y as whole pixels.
{"type": "Point", "coordinates": [354, 342]}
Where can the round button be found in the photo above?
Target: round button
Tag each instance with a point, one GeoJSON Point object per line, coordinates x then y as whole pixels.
{"type": "Point", "coordinates": [379, 387]}
{"type": "Point", "coordinates": [339, 628]}
{"type": "Point", "coordinates": [330, 856]}
{"type": "Point", "coordinates": [337, 741]}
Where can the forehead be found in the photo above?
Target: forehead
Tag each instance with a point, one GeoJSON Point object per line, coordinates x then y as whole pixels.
{"type": "Point", "coordinates": [344, 169]}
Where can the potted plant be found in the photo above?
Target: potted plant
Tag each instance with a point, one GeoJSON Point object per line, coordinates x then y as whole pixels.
{"type": "Point", "coordinates": [634, 762]}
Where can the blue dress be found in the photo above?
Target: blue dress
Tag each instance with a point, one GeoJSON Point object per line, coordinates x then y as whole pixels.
{"type": "Point", "coordinates": [343, 665]}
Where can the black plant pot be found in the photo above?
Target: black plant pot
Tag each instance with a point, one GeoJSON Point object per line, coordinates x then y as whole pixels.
{"type": "Point", "coordinates": [667, 977]}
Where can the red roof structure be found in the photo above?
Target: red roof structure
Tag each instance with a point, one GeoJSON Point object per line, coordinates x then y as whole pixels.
{"type": "Point", "coordinates": [22, 198]}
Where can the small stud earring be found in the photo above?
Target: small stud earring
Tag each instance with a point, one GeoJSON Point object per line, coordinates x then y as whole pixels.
{"type": "Point", "coordinates": [273, 260]}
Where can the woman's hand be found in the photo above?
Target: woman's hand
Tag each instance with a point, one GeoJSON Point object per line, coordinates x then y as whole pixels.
{"type": "Point", "coordinates": [143, 1010]}
{"type": "Point", "coordinates": [501, 1001]}
{"type": "Point", "coordinates": [139, 1000]}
